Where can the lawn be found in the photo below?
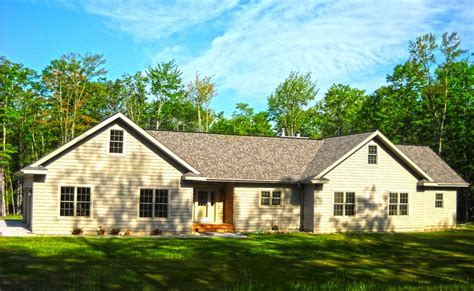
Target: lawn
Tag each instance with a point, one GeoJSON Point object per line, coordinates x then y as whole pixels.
{"type": "Point", "coordinates": [11, 217]}
{"type": "Point", "coordinates": [440, 260]}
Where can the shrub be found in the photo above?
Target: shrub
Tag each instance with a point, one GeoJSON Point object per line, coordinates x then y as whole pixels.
{"type": "Point", "coordinates": [127, 233]}
{"type": "Point", "coordinates": [115, 231]}
{"type": "Point", "coordinates": [101, 230]}
{"type": "Point", "coordinates": [156, 232]}
{"type": "Point", "coordinates": [77, 231]}
{"type": "Point", "coordinates": [275, 227]}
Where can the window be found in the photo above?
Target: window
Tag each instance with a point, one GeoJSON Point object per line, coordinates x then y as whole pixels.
{"type": "Point", "coordinates": [344, 203]}
{"type": "Point", "coordinates": [75, 201]}
{"type": "Point", "coordinates": [398, 204]}
{"type": "Point", "coordinates": [270, 198]}
{"type": "Point", "coordinates": [372, 155]}
{"type": "Point", "coordinates": [153, 203]}
{"type": "Point", "coordinates": [116, 141]}
{"type": "Point", "coordinates": [439, 200]}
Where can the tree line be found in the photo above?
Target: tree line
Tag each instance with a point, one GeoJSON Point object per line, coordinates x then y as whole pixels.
{"type": "Point", "coordinates": [427, 100]}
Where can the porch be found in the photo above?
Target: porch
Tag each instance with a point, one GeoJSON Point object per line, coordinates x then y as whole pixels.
{"type": "Point", "coordinates": [213, 207]}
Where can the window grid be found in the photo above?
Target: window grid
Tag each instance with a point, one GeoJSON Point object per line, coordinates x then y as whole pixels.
{"type": "Point", "coordinates": [344, 203]}
{"type": "Point", "coordinates": [67, 201]}
{"type": "Point", "coordinates": [83, 205]}
{"type": "Point", "coordinates": [372, 157]}
{"type": "Point", "coordinates": [153, 203]}
{"type": "Point", "coordinates": [439, 200]}
{"type": "Point", "coordinates": [271, 198]}
{"type": "Point", "coordinates": [116, 141]}
{"type": "Point", "coordinates": [75, 201]}
{"type": "Point", "coordinates": [398, 204]}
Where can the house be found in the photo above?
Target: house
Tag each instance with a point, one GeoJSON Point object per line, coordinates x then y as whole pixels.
{"type": "Point", "coordinates": [119, 175]}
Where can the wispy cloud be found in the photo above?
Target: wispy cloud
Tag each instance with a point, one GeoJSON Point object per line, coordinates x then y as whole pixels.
{"type": "Point", "coordinates": [148, 20]}
{"type": "Point", "coordinates": [262, 41]}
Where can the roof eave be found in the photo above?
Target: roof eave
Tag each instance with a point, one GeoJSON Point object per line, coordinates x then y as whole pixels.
{"type": "Point", "coordinates": [441, 184]}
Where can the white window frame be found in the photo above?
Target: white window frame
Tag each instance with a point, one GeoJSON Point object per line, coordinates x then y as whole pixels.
{"type": "Point", "coordinates": [344, 203]}
{"type": "Point", "coordinates": [271, 190]}
{"type": "Point", "coordinates": [439, 200]}
{"type": "Point", "coordinates": [75, 186]}
{"type": "Point", "coordinates": [398, 203]}
{"type": "Point", "coordinates": [154, 188]}
{"type": "Point", "coordinates": [124, 143]}
{"type": "Point", "coordinates": [372, 155]}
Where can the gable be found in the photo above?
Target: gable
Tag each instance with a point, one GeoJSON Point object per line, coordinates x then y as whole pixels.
{"type": "Point", "coordinates": [107, 122]}
{"type": "Point", "coordinates": [90, 159]}
{"type": "Point", "coordinates": [389, 170]}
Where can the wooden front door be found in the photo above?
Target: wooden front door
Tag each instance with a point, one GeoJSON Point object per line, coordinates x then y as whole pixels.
{"type": "Point", "coordinates": [204, 206]}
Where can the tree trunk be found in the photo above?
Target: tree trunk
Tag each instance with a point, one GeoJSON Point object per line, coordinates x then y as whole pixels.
{"type": "Point", "coordinates": [199, 119]}
{"type": "Point", "coordinates": [3, 200]}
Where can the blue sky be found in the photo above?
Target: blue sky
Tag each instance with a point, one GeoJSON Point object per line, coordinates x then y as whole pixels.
{"type": "Point", "coordinates": [248, 46]}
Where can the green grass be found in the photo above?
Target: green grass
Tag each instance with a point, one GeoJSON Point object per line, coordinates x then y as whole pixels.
{"type": "Point", "coordinates": [11, 217]}
{"type": "Point", "coordinates": [354, 261]}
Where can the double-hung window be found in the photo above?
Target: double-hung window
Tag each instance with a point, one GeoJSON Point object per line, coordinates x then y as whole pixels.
{"type": "Point", "coordinates": [372, 157]}
{"type": "Point", "coordinates": [154, 203]}
{"type": "Point", "coordinates": [270, 198]}
{"type": "Point", "coordinates": [439, 200]}
{"type": "Point", "coordinates": [398, 204]}
{"type": "Point", "coordinates": [116, 141]}
{"type": "Point", "coordinates": [75, 201]}
{"type": "Point", "coordinates": [344, 203]}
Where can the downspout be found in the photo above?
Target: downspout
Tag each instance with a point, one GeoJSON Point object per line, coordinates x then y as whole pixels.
{"type": "Point", "coordinates": [298, 184]}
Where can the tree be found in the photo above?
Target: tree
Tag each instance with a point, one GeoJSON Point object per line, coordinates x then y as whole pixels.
{"type": "Point", "coordinates": [201, 92]}
{"type": "Point", "coordinates": [166, 85]}
{"type": "Point", "coordinates": [244, 121]}
{"type": "Point", "coordinates": [17, 83]}
{"type": "Point", "coordinates": [288, 104]}
{"type": "Point", "coordinates": [69, 82]}
{"type": "Point", "coordinates": [340, 111]}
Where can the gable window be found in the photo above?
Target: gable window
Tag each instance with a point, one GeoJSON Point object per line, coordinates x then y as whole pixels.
{"type": "Point", "coordinates": [75, 201]}
{"type": "Point", "coordinates": [270, 198]}
{"type": "Point", "coordinates": [398, 204]}
{"type": "Point", "coordinates": [154, 203]}
{"type": "Point", "coordinates": [439, 200]}
{"type": "Point", "coordinates": [344, 203]}
{"type": "Point", "coordinates": [372, 155]}
{"type": "Point", "coordinates": [116, 141]}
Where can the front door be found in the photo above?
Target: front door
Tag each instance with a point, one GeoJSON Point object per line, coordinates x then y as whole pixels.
{"type": "Point", "coordinates": [204, 206]}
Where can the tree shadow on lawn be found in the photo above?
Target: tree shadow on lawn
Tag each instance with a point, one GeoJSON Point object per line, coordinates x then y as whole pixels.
{"type": "Point", "coordinates": [415, 259]}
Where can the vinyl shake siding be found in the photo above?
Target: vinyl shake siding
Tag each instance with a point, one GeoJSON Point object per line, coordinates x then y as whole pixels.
{"type": "Point", "coordinates": [372, 185]}
{"type": "Point", "coordinates": [114, 180]}
{"type": "Point", "coordinates": [250, 216]}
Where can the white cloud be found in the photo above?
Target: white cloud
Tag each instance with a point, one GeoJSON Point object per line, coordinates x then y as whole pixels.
{"type": "Point", "coordinates": [336, 41]}
{"type": "Point", "coordinates": [261, 42]}
{"type": "Point", "coordinates": [148, 20]}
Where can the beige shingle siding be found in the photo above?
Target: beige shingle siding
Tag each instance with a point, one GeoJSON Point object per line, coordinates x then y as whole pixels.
{"type": "Point", "coordinates": [114, 180]}
{"type": "Point", "coordinates": [372, 183]}
{"type": "Point", "coordinates": [248, 216]}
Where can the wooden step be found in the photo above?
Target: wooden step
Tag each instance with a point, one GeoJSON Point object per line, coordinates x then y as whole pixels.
{"type": "Point", "coordinates": [211, 227]}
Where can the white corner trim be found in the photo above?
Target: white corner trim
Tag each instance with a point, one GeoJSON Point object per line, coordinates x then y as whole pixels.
{"type": "Point", "coordinates": [103, 124]}
{"type": "Point", "coordinates": [387, 143]}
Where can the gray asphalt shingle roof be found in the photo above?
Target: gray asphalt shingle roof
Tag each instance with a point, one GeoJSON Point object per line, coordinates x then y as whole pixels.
{"type": "Point", "coordinates": [431, 163]}
{"type": "Point", "coordinates": [280, 159]}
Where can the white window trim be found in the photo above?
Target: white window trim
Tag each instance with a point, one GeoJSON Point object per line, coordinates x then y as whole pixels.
{"type": "Point", "coordinates": [271, 190]}
{"type": "Point", "coordinates": [442, 200]}
{"type": "Point", "coordinates": [398, 203]}
{"type": "Point", "coordinates": [153, 218]}
{"type": "Point", "coordinates": [344, 209]}
{"type": "Point", "coordinates": [376, 155]}
{"type": "Point", "coordinates": [124, 151]}
{"type": "Point", "coordinates": [74, 217]}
